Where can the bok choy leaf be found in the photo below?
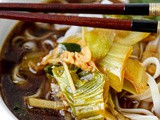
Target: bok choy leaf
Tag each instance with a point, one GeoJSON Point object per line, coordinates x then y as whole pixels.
{"type": "Point", "coordinates": [113, 64]}
{"type": "Point", "coordinates": [87, 102]}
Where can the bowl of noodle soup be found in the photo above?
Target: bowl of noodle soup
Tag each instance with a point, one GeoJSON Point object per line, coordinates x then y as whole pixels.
{"type": "Point", "coordinates": [51, 71]}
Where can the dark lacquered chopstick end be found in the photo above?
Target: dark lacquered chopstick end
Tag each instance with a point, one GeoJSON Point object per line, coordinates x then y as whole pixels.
{"type": "Point", "coordinates": [145, 26]}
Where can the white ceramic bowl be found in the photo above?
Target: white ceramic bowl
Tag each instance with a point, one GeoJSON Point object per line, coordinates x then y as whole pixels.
{"type": "Point", "coordinates": [5, 28]}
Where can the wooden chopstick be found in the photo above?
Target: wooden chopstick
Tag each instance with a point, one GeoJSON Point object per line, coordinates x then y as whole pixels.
{"type": "Point", "coordinates": [132, 25]}
{"type": "Point", "coordinates": [152, 9]}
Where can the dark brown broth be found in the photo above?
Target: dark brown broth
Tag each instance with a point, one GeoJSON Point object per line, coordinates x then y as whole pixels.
{"type": "Point", "coordinates": [13, 94]}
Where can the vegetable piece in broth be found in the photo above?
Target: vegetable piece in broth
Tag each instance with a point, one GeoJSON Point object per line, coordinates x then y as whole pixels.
{"type": "Point", "coordinates": [99, 41]}
{"type": "Point", "coordinates": [113, 64]}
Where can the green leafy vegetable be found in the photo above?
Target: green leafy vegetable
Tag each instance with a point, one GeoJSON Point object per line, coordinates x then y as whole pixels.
{"type": "Point", "coordinates": [71, 47]}
{"type": "Point", "coordinates": [99, 41]}
{"type": "Point", "coordinates": [87, 102]}
{"type": "Point", "coordinates": [48, 69]}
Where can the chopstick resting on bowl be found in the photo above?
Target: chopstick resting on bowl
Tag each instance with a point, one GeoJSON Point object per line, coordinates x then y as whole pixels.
{"type": "Point", "coordinates": [151, 9]}
{"type": "Point", "coordinates": [22, 14]}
